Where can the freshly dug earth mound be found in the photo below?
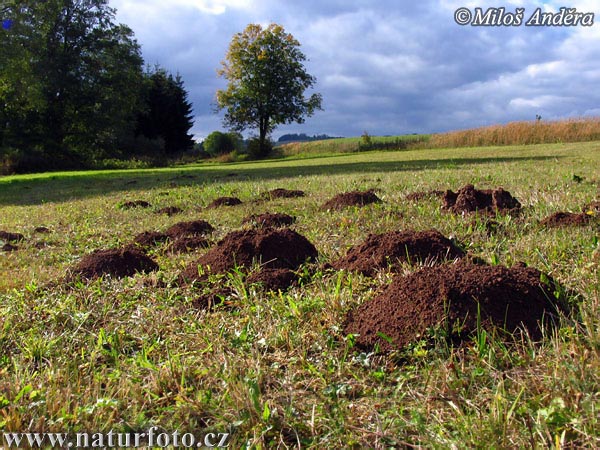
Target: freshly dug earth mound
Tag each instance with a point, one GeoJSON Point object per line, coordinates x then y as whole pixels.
{"type": "Point", "coordinates": [274, 248]}
{"type": "Point", "coordinates": [354, 198]}
{"type": "Point", "coordinates": [450, 296]}
{"type": "Point", "coordinates": [193, 228]}
{"type": "Point", "coordinates": [148, 239]}
{"type": "Point", "coordinates": [134, 204]}
{"type": "Point", "coordinates": [281, 193]}
{"type": "Point", "coordinates": [422, 195]}
{"type": "Point", "coordinates": [468, 199]}
{"type": "Point", "coordinates": [116, 262]}
{"type": "Point", "coordinates": [8, 247]}
{"type": "Point", "coordinates": [41, 230]}
{"type": "Point", "coordinates": [224, 201]}
{"type": "Point", "coordinates": [188, 244]}
{"type": "Point", "coordinates": [7, 236]}
{"type": "Point", "coordinates": [382, 250]}
{"type": "Point", "coordinates": [564, 219]}
{"type": "Point", "coordinates": [269, 220]}
{"type": "Point", "coordinates": [273, 279]}
{"type": "Point", "coordinates": [169, 210]}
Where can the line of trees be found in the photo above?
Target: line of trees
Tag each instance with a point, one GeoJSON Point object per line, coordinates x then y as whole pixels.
{"type": "Point", "coordinates": [74, 92]}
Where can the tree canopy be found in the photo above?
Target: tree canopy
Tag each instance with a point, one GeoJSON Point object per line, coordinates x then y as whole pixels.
{"type": "Point", "coordinates": [73, 88]}
{"type": "Point", "coordinates": [266, 81]}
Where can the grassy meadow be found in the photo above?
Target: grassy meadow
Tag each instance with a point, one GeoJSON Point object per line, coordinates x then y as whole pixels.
{"type": "Point", "coordinates": [277, 371]}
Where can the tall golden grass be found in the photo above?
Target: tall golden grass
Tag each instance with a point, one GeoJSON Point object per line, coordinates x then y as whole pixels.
{"type": "Point", "coordinates": [520, 133]}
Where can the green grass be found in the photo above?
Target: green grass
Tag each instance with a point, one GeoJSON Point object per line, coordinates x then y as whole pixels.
{"type": "Point", "coordinates": [278, 370]}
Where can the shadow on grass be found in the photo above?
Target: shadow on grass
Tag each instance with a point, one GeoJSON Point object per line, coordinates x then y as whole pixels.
{"type": "Point", "coordinates": [72, 186]}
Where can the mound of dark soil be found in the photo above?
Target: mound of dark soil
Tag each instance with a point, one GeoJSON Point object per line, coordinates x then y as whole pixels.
{"type": "Point", "coordinates": [149, 239]}
{"type": "Point", "coordinates": [116, 262]}
{"type": "Point", "coordinates": [134, 204]}
{"type": "Point", "coordinates": [422, 195]}
{"type": "Point", "coordinates": [468, 199]}
{"type": "Point", "coordinates": [354, 198]}
{"type": "Point", "coordinates": [7, 236]}
{"type": "Point", "coordinates": [224, 201]}
{"type": "Point", "coordinates": [380, 251]}
{"type": "Point", "coordinates": [273, 220]}
{"type": "Point", "coordinates": [450, 297]}
{"type": "Point", "coordinates": [188, 244]}
{"type": "Point", "coordinates": [193, 228]}
{"type": "Point", "coordinates": [169, 210]}
{"type": "Point", "coordinates": [281, 193]}
{"type": "Point", "coordinates": [273, 279]}
{"type": "Point", "coordinates": [274, 248]}
{"type": "Point", "coordinates": [8, 247]}
{"type": "Point", "coordinates": [41, 230]}
{"type": "Point", "coordinates": [565, 219]}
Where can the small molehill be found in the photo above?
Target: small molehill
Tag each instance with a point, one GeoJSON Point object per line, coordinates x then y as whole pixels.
{"type": "Point", "coordinates": [354, 198]}
{"type": "Point", "coordinates": [188, 244]}
{"type": "Point", "coordinates": [41, 230]}
{"type": "Point", "coordinates": [281, 193]}
{"type": "Point", "coordinates": [273, 220]}
{"type": "Point", "coordinates": [422, 195]}
{"type": "Point", "coordinates": [451, 297]}
{"type": "Point", "coordinates": [123, 262]}
{"type": "Point", "coordinates": [149, 239]}
{"type": "Point", "coordinates": [7, 236]}
{"type": "Point", "coordinates": [8, 247]}
{"type": "Point", "coordinates": [134, 204]}
{"type": "Point", "coordinates": [169, 210]}
{"type": "Point", "coordinates": [186, 229]}
{"type": "Point", "coordinates": [566, 219]}
{"type": "Point", "coordinates": [224, 201]}
{"type": "Point", "coordinates": [273, 279]}
{"type": "Point", "coordinates": [273, 248]}
{"type": "Point", "coordinates": [381, 251]}
{"type": "Point", "coordinates": [468, 199]}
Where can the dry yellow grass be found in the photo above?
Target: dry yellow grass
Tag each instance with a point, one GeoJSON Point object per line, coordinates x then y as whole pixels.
{"type": "Point", "coordinates": [521, 133]}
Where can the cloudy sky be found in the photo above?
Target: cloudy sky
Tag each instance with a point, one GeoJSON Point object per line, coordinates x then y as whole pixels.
{"type": "Point", "coordinates": [387, 66]}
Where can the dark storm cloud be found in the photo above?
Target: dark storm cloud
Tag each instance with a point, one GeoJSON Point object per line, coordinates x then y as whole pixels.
{"type": "Point", "coordinates": [386, 67]}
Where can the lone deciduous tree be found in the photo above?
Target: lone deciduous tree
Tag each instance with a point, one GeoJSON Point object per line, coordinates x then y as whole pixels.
{"type": "Point", "coordinates": [266, 82]}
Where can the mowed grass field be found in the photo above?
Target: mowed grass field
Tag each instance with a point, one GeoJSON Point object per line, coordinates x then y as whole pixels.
{"type": "Point", "coordinates": [277, 371]}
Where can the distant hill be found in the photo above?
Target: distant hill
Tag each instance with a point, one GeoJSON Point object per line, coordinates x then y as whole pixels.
{"type": "Point", "coordinates": [302, 137]}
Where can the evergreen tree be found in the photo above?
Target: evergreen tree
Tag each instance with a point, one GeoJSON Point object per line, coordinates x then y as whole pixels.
{"type": "Point", "coordinates": [168, 113]}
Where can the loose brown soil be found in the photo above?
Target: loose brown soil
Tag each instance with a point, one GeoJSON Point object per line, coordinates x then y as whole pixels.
{"type": "Point", "coordinates": [134, 204]}
{"type": "Point", "coordinates": [468, 199]}
{"type": "Point", "coordinates": [380, 251]}
{"type": "Point", "coordinates": [281, 193]}
{"type": "Point", "coordinates": [8, 247]}
{"type": "Point", "coordinates": [186, 229]}
{"type": "Point", "coordinates": [224, 201]}
{"type": "Point", "coordinates": [274, 220]}
{"type": "Point", "coordinates": [273, 248]}
{"type": "Point", "coordinates": [169, 210]}
{"type": "Point", "coordinates": [422, 195]}
{"type": "Point", "coordinates": [450, 297]}
{"type": "Point", "coordinates": [565, 219]}
{"type": "Point", "coordinates": [273, 279]}
{"type": "Point", "coordinates": [41, 230]}
{"type": "Point", "coordinates": [119, 263]}
{"type": "Point", "coordinates": [149, 239]}
{"type": "Point", "coordinates": [188, 244]}
{"type": "Point", "coordinates": [354, 198]}
{"type": "Point", "coordinates": [7, 236]}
